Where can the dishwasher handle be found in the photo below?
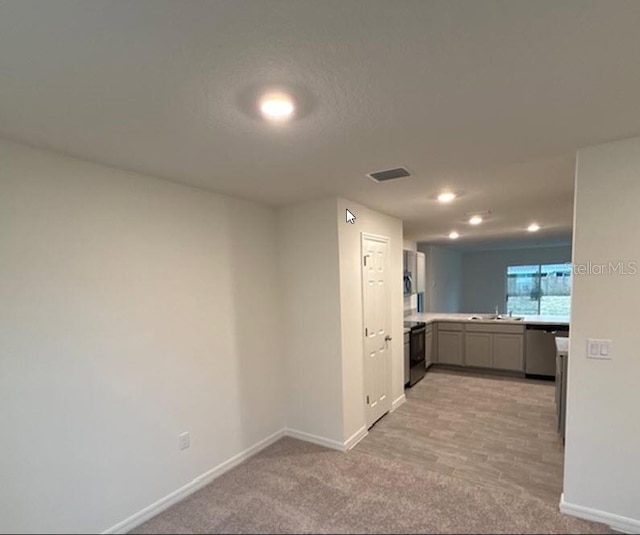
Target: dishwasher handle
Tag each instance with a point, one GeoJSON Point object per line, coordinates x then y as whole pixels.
{"type": "Point", "coordinates": [550, 329]}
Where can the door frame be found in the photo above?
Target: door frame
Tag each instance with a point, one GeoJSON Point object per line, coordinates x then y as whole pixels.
{"type": "Point", "coordinates": [388, 380]}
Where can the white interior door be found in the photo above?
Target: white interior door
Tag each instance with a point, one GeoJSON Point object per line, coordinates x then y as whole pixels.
{"type": "Point", "coordinates": [376, 304]}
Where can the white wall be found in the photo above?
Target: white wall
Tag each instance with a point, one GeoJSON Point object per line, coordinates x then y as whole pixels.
{"type": "Point", "coordinates": [350, 236]}
{"type": "Point", "coordinates": [321, 274]}
{"type": "Point", "coordinates": [443, 278]}
{"type": "Point", "coordinates": [310, 280]}
{"type": "Point", "coordinates": [131, 309]}
{"type": "Point", "coordinates": [484, 274]}
{"type": "Point", "coordinates": [602, 459]}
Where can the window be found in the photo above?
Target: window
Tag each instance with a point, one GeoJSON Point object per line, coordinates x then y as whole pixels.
{"type": "Point", "coordinates": [539, 289]}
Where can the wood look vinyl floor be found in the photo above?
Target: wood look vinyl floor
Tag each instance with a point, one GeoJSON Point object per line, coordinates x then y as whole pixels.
{"type": "Point", "coordinates": [493, 431]}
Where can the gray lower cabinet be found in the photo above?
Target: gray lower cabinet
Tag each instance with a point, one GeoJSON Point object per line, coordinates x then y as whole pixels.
{"type": "Point", "coordinates": [450, 347]}
{"type": "Point", "coordinates": [494, 350]}
{"type": "Point", "coordinates": [486, 345]}
{"type": "Point", "coordinates": [479, 350]}
{"type": "Point", "coordinates": [479, 345]}
{"type": "Point", "coordinates": [508, 352]}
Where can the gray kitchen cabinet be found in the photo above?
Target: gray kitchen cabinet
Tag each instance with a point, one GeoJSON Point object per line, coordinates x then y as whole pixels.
{"type": "Point", "coordinates": [481, 345]}
{"type": "Point", "coordinates": [508, 352]}
{"type": "Point", "coordinates": [450, 347]}
{"type": "Point", "coordinates": [478, 349]}
{"type": "Point", "coordinates": [492, 345]}
{"type": "Point", "coordinates": [451, 326]}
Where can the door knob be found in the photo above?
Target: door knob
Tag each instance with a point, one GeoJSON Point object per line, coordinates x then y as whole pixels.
{"type": "Point", "coordinates": [387, 338]}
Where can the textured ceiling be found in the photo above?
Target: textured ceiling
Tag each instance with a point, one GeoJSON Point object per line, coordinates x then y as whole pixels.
{"type": "Point", "coordinates": [489, 98]}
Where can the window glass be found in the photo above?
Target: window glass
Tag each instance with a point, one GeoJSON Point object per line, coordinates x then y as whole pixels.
{"type": "Point", "coordinates": [539, 289]}
{"type": "Point", "coordinates": [555, 285]}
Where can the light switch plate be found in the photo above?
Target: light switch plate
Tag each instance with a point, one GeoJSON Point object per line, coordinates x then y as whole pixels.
{"type": "Point", "coordinates": [599, 349]}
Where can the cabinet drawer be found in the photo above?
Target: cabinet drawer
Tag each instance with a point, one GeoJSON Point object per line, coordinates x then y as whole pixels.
{"type": "Point", "coordinates": [494, 328]}
{"type": "Point", "coordinates": [450, 326]}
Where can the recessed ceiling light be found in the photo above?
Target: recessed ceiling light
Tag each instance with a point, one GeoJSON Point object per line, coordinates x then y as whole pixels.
{"type": "Point", "coordinates": [453, 235]}
{"type": "Point", "coordinates": [277, 106]}
{"type": "Point", "coordinates": [446, 197]}
{"type": "Point", "coordinates": [534, 227]}
{"type": "Point", "coordinates": [475, 220]}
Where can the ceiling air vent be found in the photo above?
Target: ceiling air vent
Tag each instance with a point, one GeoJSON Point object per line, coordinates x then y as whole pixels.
{"type": "Point", "coordinates": [389, 174]}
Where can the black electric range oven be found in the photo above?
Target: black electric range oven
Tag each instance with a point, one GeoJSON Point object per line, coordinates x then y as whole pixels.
{"type": "Point", "coordinates": [417, 365]}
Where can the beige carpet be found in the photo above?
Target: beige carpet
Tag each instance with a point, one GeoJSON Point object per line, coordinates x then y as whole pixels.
{"type": "Point", "coordinates": [296, 487]}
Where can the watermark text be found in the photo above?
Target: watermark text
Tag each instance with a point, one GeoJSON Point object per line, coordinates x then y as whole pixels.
{"type": "Point", "coordinates": [605, 268]}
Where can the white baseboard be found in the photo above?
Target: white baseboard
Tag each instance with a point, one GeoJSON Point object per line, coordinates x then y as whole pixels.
{"type": "Point", "coordinates": [164, 503]}
{"type": "Point", "coordinates": [398, 402]}
{"type": "Point", "coordinates": [328, 442]}
{"type": "Point", "coordinates": [315, 439]}
{"type": "Point", "coordinates": [617, 522]}
{"type": "Point", "coordinates": [355, 438]}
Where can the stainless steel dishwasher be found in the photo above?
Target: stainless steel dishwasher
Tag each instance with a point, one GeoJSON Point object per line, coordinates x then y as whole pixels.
{"type": "Point", "coordinates": [540, 349]}
{"type": "Point", "coordinates": [562, 362]}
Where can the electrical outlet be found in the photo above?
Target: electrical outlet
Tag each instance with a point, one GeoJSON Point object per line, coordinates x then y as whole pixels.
{"type": "Point", "coordinates": [183, 440]}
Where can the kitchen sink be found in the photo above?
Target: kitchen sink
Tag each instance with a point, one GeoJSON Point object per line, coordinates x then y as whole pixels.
{"type": "Point", "coordinates": [494, 317]}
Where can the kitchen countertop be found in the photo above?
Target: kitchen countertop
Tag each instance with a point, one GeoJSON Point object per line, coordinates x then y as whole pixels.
{"type": "Point", "coordinates": [430, 317]}
{"type": "Point", "coordinates": [562, 344]}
